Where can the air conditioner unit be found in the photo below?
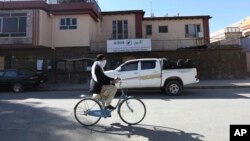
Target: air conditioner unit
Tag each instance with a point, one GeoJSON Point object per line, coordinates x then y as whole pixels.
{"type": "Point", "coordinates": [199, 35]}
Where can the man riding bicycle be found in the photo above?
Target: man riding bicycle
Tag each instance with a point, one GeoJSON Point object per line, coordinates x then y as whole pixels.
{"type": "Point", "coordinates": [102, 86]}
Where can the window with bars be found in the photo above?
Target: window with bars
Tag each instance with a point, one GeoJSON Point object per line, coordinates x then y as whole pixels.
{"type": "Point", "coordinates": [120, 29]}
{"type": "Point", "coordinates": [148, 29]}
{"type": "Point", "coordinates": [163, 29]}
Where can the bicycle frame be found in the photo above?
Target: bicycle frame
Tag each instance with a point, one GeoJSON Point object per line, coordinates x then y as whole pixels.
{"type": "Point", "coordinates": [123, 95]}
{"type": "Point", "coordinates": [104, 112]}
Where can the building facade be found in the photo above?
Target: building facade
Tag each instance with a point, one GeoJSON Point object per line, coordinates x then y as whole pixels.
{"type": "Point", "coordinates": [233, 33]}
{"type": "Point", "coordinates": [62, 37]}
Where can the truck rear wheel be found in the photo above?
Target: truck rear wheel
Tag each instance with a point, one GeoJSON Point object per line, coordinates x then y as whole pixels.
{"type": "Point", "coordinates": [173, 88]}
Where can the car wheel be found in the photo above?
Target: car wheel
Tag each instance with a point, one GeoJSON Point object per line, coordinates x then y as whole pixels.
{"type": "Point", "coordinates": [17, 87]}
{"type": "Point", "coordinates": [173, 88]}
{"type": "Point", "coordinates": [35, 86]}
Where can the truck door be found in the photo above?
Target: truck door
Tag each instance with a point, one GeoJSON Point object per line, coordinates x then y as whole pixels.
{"type": "Point", "coordinates": [129, 74]}
{"type": "Point", "coordinates": [150, 73]}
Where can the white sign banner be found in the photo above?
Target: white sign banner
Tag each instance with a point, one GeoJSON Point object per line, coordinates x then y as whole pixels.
{"type": "Point", "coordinates": [129, 45]}
{"type": "Point", "coordinates": [39, 64]}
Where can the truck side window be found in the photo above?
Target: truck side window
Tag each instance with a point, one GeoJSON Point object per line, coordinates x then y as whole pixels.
{"type": "Point", "coordinates": [131, 66]}
{"type": "Point", "coordinates": [146, 65]}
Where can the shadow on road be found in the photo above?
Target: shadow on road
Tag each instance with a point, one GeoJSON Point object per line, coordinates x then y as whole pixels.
{"type": "Point", "coordinates": [151, 132]}
{"type": "Point", "coordinates": [33, 122]}
{"type": "Point", "coordinates": [196, 94]}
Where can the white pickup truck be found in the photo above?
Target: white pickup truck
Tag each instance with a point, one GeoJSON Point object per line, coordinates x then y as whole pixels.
{"type": "Point", "coordinates": [171, 76]}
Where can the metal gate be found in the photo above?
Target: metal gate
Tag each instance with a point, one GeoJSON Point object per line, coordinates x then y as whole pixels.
{"type": "Point", "coordinates": [2, 62]}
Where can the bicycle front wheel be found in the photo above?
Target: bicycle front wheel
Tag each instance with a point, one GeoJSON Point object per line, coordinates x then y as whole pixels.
{"type": "Point", "coordinates": [87, 111]}
{"type": "Point", "coordinates": [132, 111]}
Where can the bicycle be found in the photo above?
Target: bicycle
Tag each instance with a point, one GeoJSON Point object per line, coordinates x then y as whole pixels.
{"type": "Point", "coordinates": [88, 111]}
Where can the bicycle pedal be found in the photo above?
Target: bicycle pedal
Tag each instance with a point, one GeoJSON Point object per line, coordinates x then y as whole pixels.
{"type": "Point", "coordinates": [106, 113]}
{"type": "Point", "coordinates": [108, 116]}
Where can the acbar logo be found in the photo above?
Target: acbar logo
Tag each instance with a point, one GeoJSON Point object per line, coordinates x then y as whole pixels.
{"type": "Point", "coordinates": [239, 132]}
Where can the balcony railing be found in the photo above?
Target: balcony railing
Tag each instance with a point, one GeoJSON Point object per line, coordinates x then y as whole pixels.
{"type": "Point", "coordinates": [72, 1]}
{"type": "Point", "coordinates": [157, 45]}
{"type": "Point", "coordinates": [232, 30]}
{"type": "Point", "coordinates": [95, 4]}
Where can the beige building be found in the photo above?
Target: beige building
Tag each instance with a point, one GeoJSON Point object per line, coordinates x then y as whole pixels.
{"type": "Point", "coordinates": [232, 33]}
{"type": "Point", "coordinates": [57, 32]}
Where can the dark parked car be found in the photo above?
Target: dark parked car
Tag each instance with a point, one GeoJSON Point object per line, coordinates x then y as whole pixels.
{"type": "Point", "coordinates": [18, 80]}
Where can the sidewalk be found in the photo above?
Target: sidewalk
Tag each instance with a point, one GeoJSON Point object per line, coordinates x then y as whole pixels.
{"type": "Point", "coordinates": [217, 84]}
{"type": "Point", "coordinates": [203, 84]}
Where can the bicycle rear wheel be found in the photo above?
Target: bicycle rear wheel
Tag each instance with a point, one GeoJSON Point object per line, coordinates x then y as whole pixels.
{"type": "Point", "coordinates": [87, 111]}
{"type": "Point", "coordinates": [132, 111]}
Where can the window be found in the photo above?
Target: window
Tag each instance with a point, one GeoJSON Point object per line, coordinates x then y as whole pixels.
{"type": "Point", "coordinates": [10, 25]}
{"type": "Point", "coordinates": [120, 29]}
{"type": "Point", "coordinates": [68, 23]}
{"type": "Point", "coordinates": [13, 24]}
{"type": "Point", "coordinates": [74, 66]}
{"type": "Point", "coordinates": [148, 29]}
{"type": "Point", "coordinates": [10, 74]}
{"type": "Point", "coordinates": [163, 29]}
{"type": "Point", "coordinates": [192, 30]}
{"type": "Point", "coordinates": [132, 66]}
{"type": "Point", "coordinates": [145, 65]}
{"type": "Point", "coordinates": [1, 73]}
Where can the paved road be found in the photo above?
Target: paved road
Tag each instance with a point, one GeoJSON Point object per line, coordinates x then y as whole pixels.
{"type": "Point", "coordinates": [197, 115]}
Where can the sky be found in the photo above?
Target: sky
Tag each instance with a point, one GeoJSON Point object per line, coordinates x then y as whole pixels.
{"type": "Point", "coordinates": [223, 12]}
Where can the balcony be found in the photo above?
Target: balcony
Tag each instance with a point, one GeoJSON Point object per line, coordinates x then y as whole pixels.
{"type": "Point", "coordinates": [95, 4]}
{"type": "Point", "coordinates": [157, 45]}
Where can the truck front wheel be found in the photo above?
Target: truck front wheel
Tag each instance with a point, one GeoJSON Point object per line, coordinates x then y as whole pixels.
{"type": "Point", "coordinates": [173, 88]}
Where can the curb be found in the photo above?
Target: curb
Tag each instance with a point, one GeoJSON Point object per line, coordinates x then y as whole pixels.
{"type": "Point", "coordinates": [216, 87]}
{"type": "Point", "coordinates": [190, 87]}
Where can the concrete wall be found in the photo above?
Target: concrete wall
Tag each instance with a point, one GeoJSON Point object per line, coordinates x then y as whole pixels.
{"type": "Point", "coordinates": [224, 63]}
{"type": "Point", "coordinates": [219, 63]}
{"type": "Point", "coordinates": [227, 63]}
{"type": "Point", "coordinates": [245, 43]}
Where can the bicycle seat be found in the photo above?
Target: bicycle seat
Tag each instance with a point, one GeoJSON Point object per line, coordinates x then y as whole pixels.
{"type": "Point", "coordinates": [83, 96]}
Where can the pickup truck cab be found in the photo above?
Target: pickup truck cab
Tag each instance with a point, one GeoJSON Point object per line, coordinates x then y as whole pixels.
{"type": "Point", "coordinates": [163, 73]}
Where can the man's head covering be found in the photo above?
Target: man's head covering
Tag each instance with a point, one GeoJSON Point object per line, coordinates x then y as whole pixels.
{"type": "Point", "coordinates": [100, 57]}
